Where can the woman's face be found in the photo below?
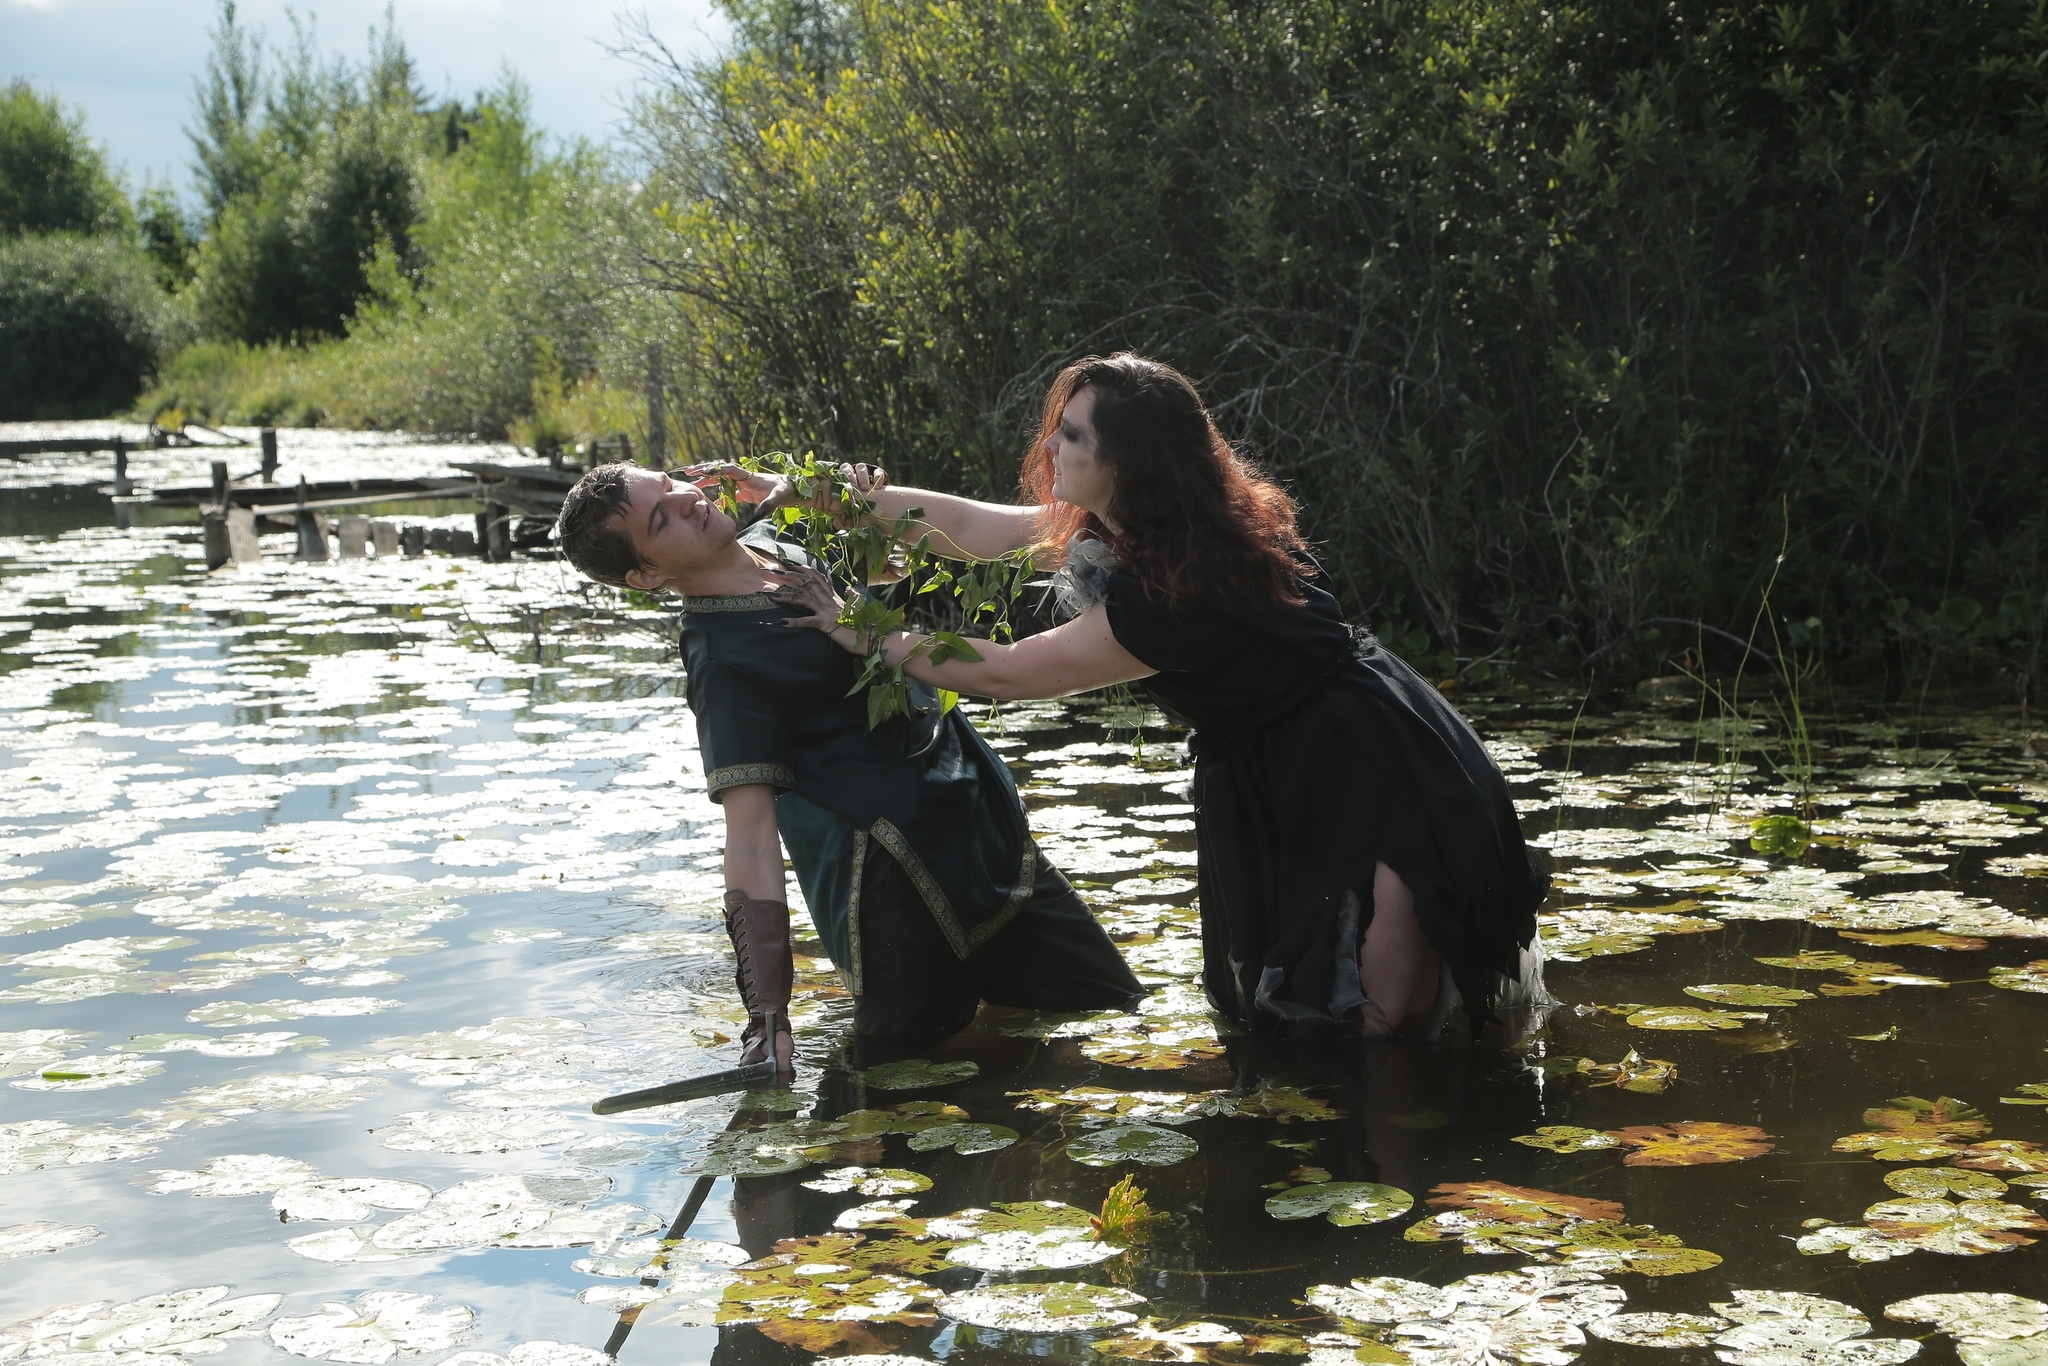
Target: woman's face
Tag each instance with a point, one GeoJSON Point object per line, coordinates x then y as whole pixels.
{"type": "Point", "coordinates": [1079, 475]}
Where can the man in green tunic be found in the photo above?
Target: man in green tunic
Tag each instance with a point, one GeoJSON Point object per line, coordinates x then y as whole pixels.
{"type": "Point", "coordinates": [909, 839]}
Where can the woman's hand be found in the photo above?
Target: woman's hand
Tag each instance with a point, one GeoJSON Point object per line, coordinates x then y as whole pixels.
{"type": "Point", "coordinates": [807, 589]}
{"type": "Point", "coordinates": [864, 478]}
{"type": "Point", "coordinates": [771, 491]}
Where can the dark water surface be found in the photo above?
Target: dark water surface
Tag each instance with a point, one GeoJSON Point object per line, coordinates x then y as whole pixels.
{"type": "Point", "coordinates": [325, 892]}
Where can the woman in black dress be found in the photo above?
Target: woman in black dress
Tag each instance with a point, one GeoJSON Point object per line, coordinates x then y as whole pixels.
{"type": "Point", "coordinates": [1360, 862]}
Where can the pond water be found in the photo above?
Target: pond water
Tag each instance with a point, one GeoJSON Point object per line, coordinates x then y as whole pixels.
{"type": "Point", "coordinates": [333, 894]}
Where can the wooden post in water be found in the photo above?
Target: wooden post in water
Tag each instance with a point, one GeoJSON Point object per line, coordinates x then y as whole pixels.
{"type": "Point", "coordinates": [122, 487]}
{"type": "Point", "coordinates": [497, 532]}
{"type": "Point", "coordinates": [269, 439]}
{"type": "Point", "coordinates": [213, 527]}
{"type": "Point", "coordinates": [354, 536]}
{"type": "Point", "coordinates": [384, 536]}
{"type": "Point", "coordinates": [312, 529]}
{"type": "Point", "coordinates": [243, 547]}
{"type": "Point", "coordinates": [220, 484]}
{"type": "Point", "coordinates": [414, 539]}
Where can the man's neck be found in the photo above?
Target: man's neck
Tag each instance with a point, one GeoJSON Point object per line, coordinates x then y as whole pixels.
{"type": "Point", "coordinates": [736, 571]}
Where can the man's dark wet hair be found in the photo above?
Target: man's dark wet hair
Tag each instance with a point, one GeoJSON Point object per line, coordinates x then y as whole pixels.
{"type": "Point", "coordinates": [593, 541]}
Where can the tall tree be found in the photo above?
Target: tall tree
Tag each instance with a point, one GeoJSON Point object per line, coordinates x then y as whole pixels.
{"type": "Point", "coordinates": [227, 96]}
{"type": "Point", "coordinates": [52, 179]}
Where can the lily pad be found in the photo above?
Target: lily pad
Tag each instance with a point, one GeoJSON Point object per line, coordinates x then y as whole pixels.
{"type": "Point", "coordinates": [1958, 1228]}
{"type": "Point", "coordinates": [1940, 1181]}
{"type": "Point", "coordinates": [916, 1074]}
{"type": "Point", "coordinates": [1691, 1144]}
{"type": "Point", "coordinates": [965, 1139]}
{"type": "Point", "coordinates": [35, 1239]}
{"type": "Point", "coordinates": [1645, 1076]}
{"type": "Point", "coordinates": [1056, 1307]}
{"type": "Point", "coordinates": [94, 1073]}
{"type": "Point", "coordinates": [1779, 1327]}
{"type": "Point", "coordinates": [1567, 1138]}
{"type": "Point", "coordinates": [2027, 977]}
{"type": "Point", "coordinates": [1659, 1330]}
{"type": "Point", "coordinates": [374, 1328]}
{"type": "Point", "coordinates": [198, 1322]}
{"type": "Point", "coordinates": [347, 1198]}
{"type": "Point", "coordinates": [1749, 994]}
{"type": "Point", "coordinates": [235, 1174]}
{"type": "Point", "coordinates": [1346, 1204]}
{"type": "Point", "coordinates": [1139, 1143]}
{"type": "Point", "coordinates": [1974, 1314]}
{"type": "Point", "coordinates": [1911, 1129]}
{"type": "Point", "coordinates": [1379, 1299]}
{"type": "Point", "coordinates": [1691, 1018]}
{"type": "Point", "coordinates": [1784, 835]}
{"type": "Point", "coordinates": [870, 1181]}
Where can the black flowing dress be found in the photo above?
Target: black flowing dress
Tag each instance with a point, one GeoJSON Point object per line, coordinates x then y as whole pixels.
{"type": "Point", "coordinates": [1319, 755]}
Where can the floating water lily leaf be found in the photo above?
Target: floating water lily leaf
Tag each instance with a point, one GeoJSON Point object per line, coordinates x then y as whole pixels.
{"type": "Point", "coordinates": [1940, 1181]}
{"type": "Point", "coordinates": [1911, 1129]}
{"type": "Point", "coordinates": [1786, 835]}
{"type": "Point", "coordinates": [1919, 939]}
{"type": "Point", "coordinates": [154, 1328]}
{"type": "Point", "coordinates": [917, 1255]}
{"type": "Point", "coordinates": [301, 1091]}
{"type": "Point", "coordinates": [1100, 1104]}
{"type": "Point", "coordinates": [1959, 1228]}
{"type": "Point", "coordinates": [916, 1074]}
{"type": "Point", "coordinates": [875, 1212]}
{"type": "Point", "coordinates": [95, 1073]}
{"type": "Point", "coordinates": [1690, 1017]}
{"type": "Point", "coordinates": [1053, 1249]}
{"type": "Point", "coordinates": [1659, 1330]}
{"type": "Point", "coordinates": [375, 1328]}
{"type": "Point", "coordinates": [1814, 960]}
{"type": "Point", "coordinates": [1057, 1307]}
{"type": "Point", "coordinates": [1691, 1144]}
{"type": "Point", "coordinates": [869, 1181]}
{"type": "Point", "coordinates": [1749, 994]}
{"type": "Point", "coordinates": [1379, 1299]}
{"type": "Point", "coordinates": [2027, 977]}
{"type": "Point", "coordinates": [2005, 1155]}
{"type": "Point", "coordinates": [1570, 1293]}
{"type": "Point", "coordinates": [784, 1286]}
{"type": "Point", "coordinates": [1536, 1339]}
{"type": "Point", "coordinates": [1862, 1242]}
{"type": "Point", "coordinates": [1156, 1044]}
{"type": "Point", "coordinates": [32, 1050]}
{"type": "Point", "coordinates": [41, 1236]}
{"type": "Point", "coordinates": [965, 1139]}
{"type": "Point", "coordinates": [342, 1245]}
{"type": "Point", "coordinates": [1780, 1327]}
{"type": "Point", "coordinates": [1611, 1248]}
{"type": "Point", "coordinates": [1504, 1204]}
{"type": "Point", "coordinates": [1646, 1076]}
{"type": "Point", "coordinates": [1567, 1138]}
{"type": "Point", "coordinates": [1886, 1035]}
{"type": "Point", "coordinates": [341, 1198]}
{"type": "Point", "coordinates": [1149, 1341]}
{"type": "Point", "coordinates": [1974, 1314]}
{"type": "Point", "coordinates": [235, 1174]}
{"type": "Point", "coordinates": [1346, 1204]}
{"type": "Point", "coordinates": [1140, 1143]}
{"type": "Point", "coordinates": [478, 1132]}
{"type": "Point", "coordinates": [2033, 1093]}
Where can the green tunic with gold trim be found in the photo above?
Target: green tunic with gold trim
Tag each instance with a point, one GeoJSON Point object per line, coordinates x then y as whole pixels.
{"type": "Point", "coordinates": [776, 706]}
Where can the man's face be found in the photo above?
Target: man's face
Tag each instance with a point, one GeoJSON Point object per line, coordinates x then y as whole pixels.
{"type": "Point", "coordinates": [675, 527]}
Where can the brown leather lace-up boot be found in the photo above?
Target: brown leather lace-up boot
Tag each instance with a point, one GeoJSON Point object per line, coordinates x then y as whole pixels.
{"type": "Point", "coordinates": [760, 943]}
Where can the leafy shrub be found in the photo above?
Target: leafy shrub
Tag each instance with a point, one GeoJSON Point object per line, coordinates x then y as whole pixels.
{"type": "Point", "coordinates": [82, 322]}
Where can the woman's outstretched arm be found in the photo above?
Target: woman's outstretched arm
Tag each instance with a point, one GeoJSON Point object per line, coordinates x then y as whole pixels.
{"type": "Point", "coordinates": [961, 528]}
{"type": "Point", "coordinates": [1075, 657]}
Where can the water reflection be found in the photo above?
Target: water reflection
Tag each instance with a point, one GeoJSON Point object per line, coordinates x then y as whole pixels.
{"type": "Point", "coordinates": [331, 897]}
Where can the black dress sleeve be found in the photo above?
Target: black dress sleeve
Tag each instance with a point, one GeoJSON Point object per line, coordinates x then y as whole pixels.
{"type": "Point", "coordinates": [740, 732]}
{"type": "Point", "coordinates": [1184, 638]}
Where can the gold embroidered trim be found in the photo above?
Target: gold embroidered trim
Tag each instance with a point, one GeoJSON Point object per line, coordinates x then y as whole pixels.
{"type": "Point", "coordinates": [730, 602]}
{"type": "Point", "coordinates": [962, 940]}
{"type": "Point", "coordinates": [860, 862]}
{"type": "Point", "coordinates": [742, 775]}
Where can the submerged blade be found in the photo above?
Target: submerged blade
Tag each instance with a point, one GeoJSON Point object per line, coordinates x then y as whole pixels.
{"type": "Point", "coordinates": [690, 1088]}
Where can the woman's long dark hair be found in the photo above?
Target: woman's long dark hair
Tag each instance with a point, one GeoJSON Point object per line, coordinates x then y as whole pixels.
{"type": "Point", "coordinates": [1192, 515]}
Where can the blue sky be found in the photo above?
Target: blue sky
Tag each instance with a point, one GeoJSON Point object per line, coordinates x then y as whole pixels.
{"type": "Point", "coordinates": [129, 64]}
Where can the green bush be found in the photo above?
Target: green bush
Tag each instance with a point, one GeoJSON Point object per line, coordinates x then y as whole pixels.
{"type": "Point", "coordinates": [82, 322]}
